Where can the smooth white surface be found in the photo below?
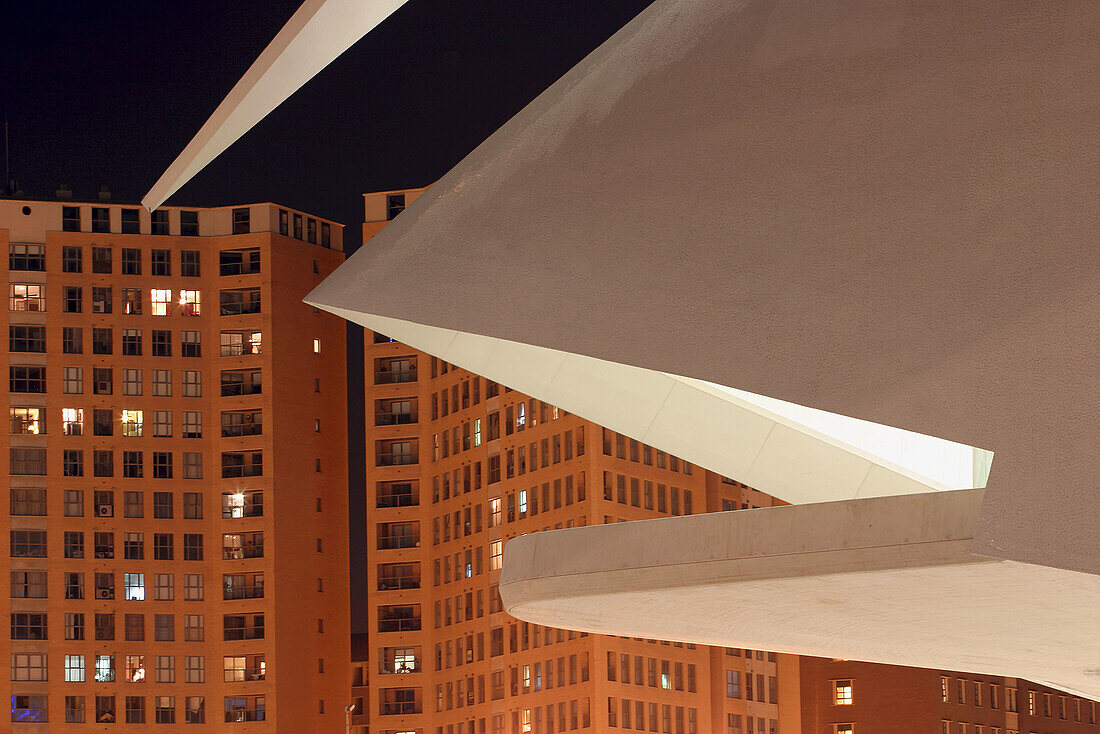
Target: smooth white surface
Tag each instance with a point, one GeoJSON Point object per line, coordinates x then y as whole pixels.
{"type": "Point", "coordinates": [318, 32]}
{"type": "Point", "coordinates": [727, 431]}
{"type": "Point", "coordinates": [888, 580]}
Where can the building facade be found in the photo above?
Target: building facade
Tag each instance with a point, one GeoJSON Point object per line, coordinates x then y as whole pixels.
{"type": "Point", "coordinates": [849, 697]}
{"type": "Point", "coordinates": [176, 466]}
{"type": "Point", "coordinates": [458, 465]}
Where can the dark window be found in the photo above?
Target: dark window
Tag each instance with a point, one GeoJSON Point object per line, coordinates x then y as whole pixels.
{"type": "Point", "coordinates": [132, 464]}
{"type": "Point", "coordinates": [103, 463]}
{"type": "Point", "coordinates": [163, 547]}
{"type": "Point", "coordinates": [101, 219]}
{"type": "Point", "coordinates": [240, 301]}
{"type": "Point", "coordinates": [28, 626]}
{"type": "Point", "coordinates": [192, 547]}
{"type": "Point", "coordinates": [284, 222]}
{"type": "Point", "coordinates": [162, 343]}
{"type": "Point", "coordinates": [189, 223]}
{"type": "Point", "coordinates": [311, 230]}
{"type": "Point", "coordinates": [239, 262]}
{"type": "Point", "coordinates": [326, 234]}
{"type": "Point", "coordinates": [130, 222]}
{"type": "Point", "coordinates": [72, 340]}
{"type": "Point", "coordinates": [162, 464]}
{"type": "Point", "coordinates": [395, 204]}
{"type": "Point", "coordinates": [131, 342]}
{"type": "Point", "coordinates": [191, 343]}
{"type": "Point", "coordinates": [162, 505]}
{"type": "Point", "coordinates": [102, 341]}
{"type": "Point", "coordinates": [102, 380]}
{"type": "Point", "coordinates": [26, 338]}
{"type": "Point", "coordinates": [189, 263]}
{"type": "Point", "coordinates": [70, 220]}
{"type": "Point", "coordinates": [159, 221]}
{"type": "Point", "coordinates": [26, 378]}
{"type": "Point", "coordinates": [26, 257]}
{"type": "Point", "coordinates": [240, 221]}
{"type": "Point", "coordinates": [27, 461]}
{"type": "Point", "coordinates": [242, 464]}
{"type": "Point", "coordinates": [101, 260]}
{"type": "Point", "coordinates": [72, 260]}
{"type": "Point", "coordinates": [72, 463]}
{"type": "Point", "coordinates": [74, 544]}
{"type": "Point", "coordinates": [28, 544]}
{"type": "Point", "coordinates": [131, 261]}
{"type": "Point", "coordinates": [101, 299]}
{"type": "Point", "coordinates": [73, 301]}
{"type": "Point", "coordinates": [298, 226]}
{"type": "Point", "coordinates": [160, 262]}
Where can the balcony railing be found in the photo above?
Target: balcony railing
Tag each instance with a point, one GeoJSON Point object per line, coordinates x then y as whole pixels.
{"type": "Point", "coordinates": [390, 668]}
{"type": "Point", "coordinates": [239, 675]}
{"type": "Point", "coordinates": [394, 542]}
{"type": "Point", "coordinates": [247, 551]}
{"type": "Point", "coordinates": [398, 500]}
{"type": "Point", "coordinates": [390, 377]}
{"type": "Point", "coordinates": [408, 624]}
{"type": "Point", "coordinates": [398, 708]}
{"type": "Point", "coordinates": [395, 583]}
{"type": "Point", "coordinates": [231, 430]}
{"type": "Point", "coordinates": [241, 388]}
{"type": "Point", "coordinates": [243, 592]}
{"type": "Point", "coordinates": [394, 419]}
{"type": "Point", "coordinates": [244, 715]}
{"type": "Point", "coordinates": [387, 458]}
{"type": "Point", "coordinates": [244, 633]}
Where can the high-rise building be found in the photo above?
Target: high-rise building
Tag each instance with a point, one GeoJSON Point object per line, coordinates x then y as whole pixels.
{"type": "Point", "coordinates": [176, 460]}
{"type": "Point", "coordinates": [457, 465]}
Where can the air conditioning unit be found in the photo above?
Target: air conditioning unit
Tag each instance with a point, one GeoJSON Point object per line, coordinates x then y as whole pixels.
{"type": "Point", "coordinates": [99, 307]}
{"type": "Point", "coordinates": [103, 594]}
{"type": "Point", "coordinates": [104, 511]}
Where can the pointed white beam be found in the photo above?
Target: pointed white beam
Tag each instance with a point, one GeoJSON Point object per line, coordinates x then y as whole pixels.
{"type": "Point", "coordinates": [315, 35]}
{"type": "Point", "coordinates": [788, 451]}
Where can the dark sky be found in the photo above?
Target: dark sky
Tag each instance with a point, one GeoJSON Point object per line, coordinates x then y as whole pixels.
{"type": "Point", "coordinates": [110, 92]}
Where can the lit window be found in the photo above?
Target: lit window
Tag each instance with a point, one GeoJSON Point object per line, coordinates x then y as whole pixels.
{"type": "Point", "coordinates": [135, 586]}
{"type": "Point", "coordinates": [844, 728]}
{"type": "Point", "coordinates": [72, 421]}
{"type": "Point", "coordinates": [494, 512]}
{"type": "Point", "coordinates": [135, 668]}
{"type": "Point", "coordinates": [74, 668]}
{"type": "Point", "coordinates": [132, 423]}
{"type": "Point", "coordinates": [316, 346]}
{"type": "Point", "coordinates": [477, 431]}
{"type": "Point", "coordinates": [26, 297]}
{"type": "Point", "coordinates": [496, 549]}
{"type": "Point", "coordinates": [190, 303]}
{"type": "Point", "coordinates": [26, 421]}
{"type": "Point", "coordinates": [162, 302]}
{"type": "Point", "coordinates": [842, 692]}
{"type": "Point", "coordinates": [104, 668]}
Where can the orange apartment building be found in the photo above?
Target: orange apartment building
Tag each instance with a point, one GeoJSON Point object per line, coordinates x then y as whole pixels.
{"type": "Point", "coordinates": [176, 468]}
{"type": "Point", "coordinates": [457, 466]}
{"type": "Point", "coordinates": [848, 697]}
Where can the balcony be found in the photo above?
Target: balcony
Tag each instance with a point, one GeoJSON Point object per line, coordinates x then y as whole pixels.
{"type": "Point", "coordinates": [396, 583]}
{"type": "Point", "coordinates": [244, 633]}
{"type": "Point", "coordinates": [394, 419]}
{"type": "Point", "coordinates": [401, 494]}
{"type": "Point", "coordinates": [243, 592]}
{"type": "Point", "coordinates": [397, 542]}
{"type": "Point", "coordinates": [396, 458]}
{"type": "Point", "coordinates": [390, 667]}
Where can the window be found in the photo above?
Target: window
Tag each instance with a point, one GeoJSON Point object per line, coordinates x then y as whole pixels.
{"type": "Point", "coordinates": [162, 383]}
{"type": "Point", "coordinates": [26, 338]}
{"type": "Point", "coordinates": [161, 300]}
{"type": "Point", "coordinates": [26, 297]}
{"type": "Point", "coordinates": [395, 204]}
{"type": "Point", "coordinates": [131, 301]}
{"type": "Point", "coordinates": [72, 340]}
{"type": "Point", "coordinates": [74, 585]}
{"type": "Point", "coordinates": [194, 630]}
{"type": "Point", "coordinates": [326, 234]}
{"type": "Point", "coordinates": [842, 692]}
{"type": "Point", "coordinates": [189, 223]}
{"type": "Point", "coordinates": [133, 546]}
{"type": "Point", "coordinates": [74, 504]}
{"type": "Point", "coordinates": [74, 626]}
{"type": "Point", "coordinates": [101, 219]}
{"type": "Point", "coordinates": [28, 626]}
{"type": "Point", "coordinates": [102, 380]}
{"type": "Point", "coordinates": [166, 669]}
{"type": "Point", "coordinates": [242, 464]}
{"type": "Point", "coordinates": [195, 710]}
{"type": "Point", "coordinates": [72, 299]}
{"type": "Point", "coordinates": [74, 669]}
{"type": "Point", "coordinates": [73, 380]}
{"type": "Point", "coordinates": [192, 546]}
{"type": "Point", "coordinates": [164, 587]}
{"type": "Point", "coordinates": [162, 465]}
{"type": "Point", "coordinates": [158, 222]}
{"type": "Point", "coordinates": [27, 378]}
{"type": "Point", "coordinates": [131, 382]}
{"type": "Point", "coordinates": [134, 585]}
{"type": "Point", "coordinates": [102, 341]}
{"type": "Point", "coordinates": [242, 545]}
{"type": "Point", "coordinates": [101, 260]}
{"type": "Point", "coordinates": [29, 709]}
{"type": "Point", "coordinates": [837, 728]}
{"type": "Point", "coordinates": [72, 260]}
{"type": "Point", "coordinates": [311, 230]}
{"type": "Point", "coordinates": [241, 382]}
{"type": "Point", "coordinates": [162, 343]}
{"type": "Point", "coordinates": [240, 221]}
{"type": "Point", "coordinates": [190, 263]}
{"type": "Point", "coordinates": [72, 421]}
{"type": "Point", "coordinates": [192, 506]}
{"type": "Point", "coordinates": [190, 303]}
{"type": "Point", "coordinates": [163, 547]}
{"type": "Point", "coordinates": [160, 262]}
{"type": "Point", "coordinates": [190, 343]}
{"type": "Point", "coordinates": [101, 299]}
{"type": "Point", "coordinates": [238, 343]}
{"type": "Point", "coordinates": [240, 301]}
{"type": "Point", "coordinates": [496, 555]}
{"type": "Point", "coordinates": [70, 219]}
{"type": "Point", "coordinates": [192, 465]}
{"type": "Point", "coordinates": [105, 666]}
{"type": "Point", "coordinates": [28, 584]}
{"type": "Point", "coordinates": [242, 504]}
{"type": "Point", "coordinates": [26, 257]}
{"type": "Point", "coordinates": [132, 464]}
{"type": "Point", "coordinates": [132, 423]}
{"type": "Point", "coordinates": [243, 626]}
{"type": "Point", "coordinates": [131, 261]}
{"type": "Point", "coordinates": [284, 222]}
{"type": "Point", "coordinates": [239, 262]}
{"type": "Point", "coordinates": [298, 226]}
{"type": "Point", "coordinates": [192, 384]}
{"type": "Point", "coordinates": [131, 342]}
{"type": "Point", "coordinates": [135, 706]}
{"type": "Point", "coordinates": [27, 421]}
{"type": "Point", "coordinates": [27, 461]}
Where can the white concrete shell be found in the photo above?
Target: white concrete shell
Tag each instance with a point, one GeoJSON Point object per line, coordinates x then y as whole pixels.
{"type": "Point", "coordinates": [876, 210]}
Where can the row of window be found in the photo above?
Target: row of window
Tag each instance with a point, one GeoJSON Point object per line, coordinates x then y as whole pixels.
{"type": "Point", "coordinates": [32, 339]}
{"type": "Point", "coordinates": [733, 726]}
{"type": "Point", "coordinates": [33, 626]}
{"type": "Point", "coordinates": [641, 494]}
{"type": "Point", "coordinates": [759, 693]}
{"type": "Point", "coordinates": [32, 257]}
{"type": "Point", "coordinates": [34, 709]}
{"type": "Point", "coordinates": [129, 219]}
{"type": "Point", "coordinates": [628, 448]}
{"type": "Point", "coordinates": [978, 693]}
{"type": "Point", "coordinates": [31, 461]}
{"type": "Point", "coordinates": [162, 302]}
{"type": "Point", "coordinates": [632, 715]}
{"type": "Point", "coordinates": [235, 504]}
{"type": "Point", "coordinates": [33, 584]}
{"type": "Point", "coordinates": [235, 546]}
{"type": "Point", "coordinates": [31, 421]}
{"type": "Point", "coordinates": [237, 668]}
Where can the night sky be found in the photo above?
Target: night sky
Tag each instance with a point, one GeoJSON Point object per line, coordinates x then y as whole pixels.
{"type": "Point", "coordinates": [110, 92]}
